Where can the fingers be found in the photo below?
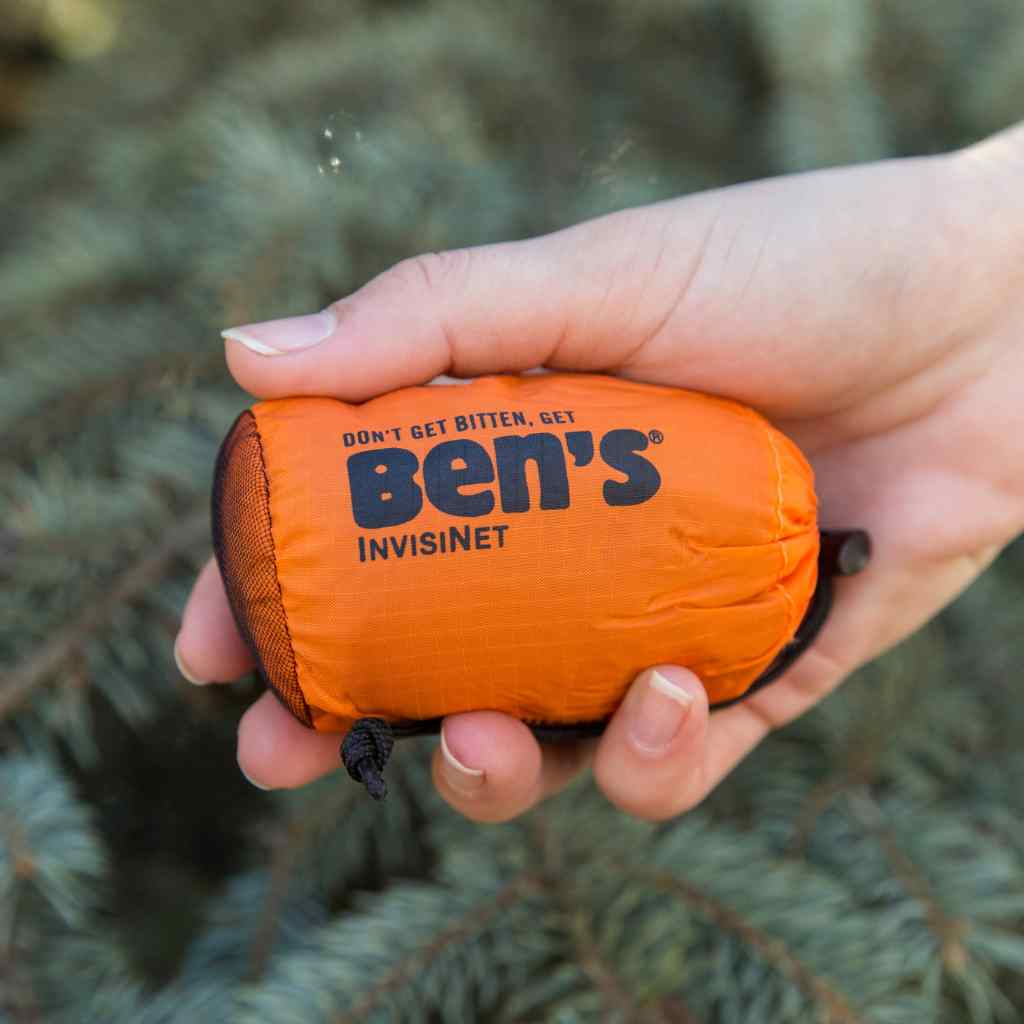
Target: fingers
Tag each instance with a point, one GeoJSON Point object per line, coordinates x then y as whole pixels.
{"type": "Point", "coordinates": [490, 767]}
{"type": "Point", "coordinates": [497, 773]}
{"type": "Point", "coordinates": [276, 751]}
{"type": "Point", "coordinates": [726, 292]}
{"type": "Point", "coordinates": [652, 760]}
{"type": "Point", "coordinates": [662, 752]}
{"type": "Point", "coordinates": [660, 755]}
{"type": "Point", "coordinates": [209, 647]}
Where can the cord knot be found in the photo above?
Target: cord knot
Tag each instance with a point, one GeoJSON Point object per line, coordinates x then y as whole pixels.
{"type": "Point", "coordinates": [365, 752]}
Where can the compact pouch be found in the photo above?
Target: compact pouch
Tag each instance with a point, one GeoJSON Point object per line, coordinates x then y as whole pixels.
{"type": "Point", "coordinates": [525, 544]}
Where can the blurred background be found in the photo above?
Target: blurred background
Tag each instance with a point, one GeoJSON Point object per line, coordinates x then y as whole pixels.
{"type": "Point", "coordinates": [168, 169]}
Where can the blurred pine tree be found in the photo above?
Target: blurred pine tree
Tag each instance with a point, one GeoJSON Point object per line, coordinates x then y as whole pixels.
{"type": "Point", "coordinates": [164, 171]}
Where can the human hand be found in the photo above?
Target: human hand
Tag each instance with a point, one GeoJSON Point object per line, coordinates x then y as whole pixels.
{"type": "Point", "coordinates": [875, 314]}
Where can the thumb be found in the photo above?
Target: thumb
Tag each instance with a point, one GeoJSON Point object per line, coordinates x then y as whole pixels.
{"type": "Point", "coordinates": [726, 291]}
{"type": "Point", "coordinates": [580, 299]}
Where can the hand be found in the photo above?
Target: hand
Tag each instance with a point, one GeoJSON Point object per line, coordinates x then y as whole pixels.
{"type": "Point", "coordinates": [875, 314]}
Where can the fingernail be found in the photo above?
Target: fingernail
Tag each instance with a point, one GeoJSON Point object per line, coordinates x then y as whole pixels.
{"type": "Point", "coordinates": [253, 782]}
{"type": "Point", "coordinates": [659, 708]}
{"type": "Point", "coordinates": [462, 779]}
{"type": "Point", "coordinates": [185, 670]}
{"type": "Point", "coordinates": [279, 337]}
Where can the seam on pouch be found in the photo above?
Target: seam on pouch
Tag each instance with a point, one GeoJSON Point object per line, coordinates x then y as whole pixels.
{"type": "Point", "coordinates": [778, 519]}
{"type": "Point", "coordinates": [277, 575]}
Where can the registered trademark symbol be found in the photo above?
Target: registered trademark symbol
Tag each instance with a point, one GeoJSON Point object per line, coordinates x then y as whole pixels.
{"type": "Point", "coordinates": [656, 436]}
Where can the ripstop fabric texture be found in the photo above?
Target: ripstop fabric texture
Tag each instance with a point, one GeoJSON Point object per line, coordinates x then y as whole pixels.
{"type": "Point", "coordinates": [526, 544]}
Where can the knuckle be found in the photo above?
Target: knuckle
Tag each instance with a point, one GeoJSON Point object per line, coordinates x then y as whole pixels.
{"type": "Point", "coordinates": [431, 277]}
{"type": "Point", "coordinates": [434, 276]}
{"type": "Point", "coordinates": [433, 271]}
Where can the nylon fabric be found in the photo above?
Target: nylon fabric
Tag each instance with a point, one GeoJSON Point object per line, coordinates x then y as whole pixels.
{"type": "Point", "coordinates": [678, 528]}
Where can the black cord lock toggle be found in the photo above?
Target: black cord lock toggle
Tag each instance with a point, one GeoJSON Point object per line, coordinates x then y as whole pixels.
{"type": "Point", "coordinates": [365, 752]}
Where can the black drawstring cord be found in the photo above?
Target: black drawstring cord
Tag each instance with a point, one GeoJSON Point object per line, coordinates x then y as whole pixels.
{"type": "Point", "coordinates": [365, 752]}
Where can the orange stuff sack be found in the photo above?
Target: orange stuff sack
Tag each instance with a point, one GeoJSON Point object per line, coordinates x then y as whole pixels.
{"type": "Point", "coordinates": [523, 544]}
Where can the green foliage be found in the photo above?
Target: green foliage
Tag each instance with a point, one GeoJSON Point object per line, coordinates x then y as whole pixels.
{"type": "Point", "coordinates": [50, 853]}
{"type": "Point", "coordinates": [165, 172]}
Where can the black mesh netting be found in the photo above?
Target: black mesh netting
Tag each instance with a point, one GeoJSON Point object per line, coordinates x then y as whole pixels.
{"type": "Point", "coordinates": [244, 547]}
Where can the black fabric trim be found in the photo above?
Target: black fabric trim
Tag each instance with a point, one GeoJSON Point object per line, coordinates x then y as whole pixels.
{"type": "Point", "coordinates": [234, 601]}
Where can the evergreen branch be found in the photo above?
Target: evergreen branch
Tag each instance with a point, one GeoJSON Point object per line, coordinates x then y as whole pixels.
{"type": "Point", "coordinates": [596, 967]}
{"type": "Point", "coordinates": [304, 838]}
{"type": "Point", "coordinates": [823, 794]}
{"type": "Point", "coordinates": [593, 964]}
{"type": "Point", "coordinates": [579, 927]}
{"type": "Point", "coordinates": [288, 848]}
{"type": "Point", "coordinates": [675, 1011]}
{"type": "Point", "coordinates": [37, 669]}
{"type": "Point", "coordinates": [18, 1000]}
{"type": "Point", "coordinates": [950, 931]}
{"type": "Point", "coordinates": [52, 869]}
{"type": "Point", "coordinates": [469, 924]}
{"type": "Point", "coordinates": [238, 294]}
{"type": "Point", "coordinates": [106, 289]}
{"type": "Point", "coordinates": [23, 864]}
{"type": "Point", "coordinates": [140, 376]}
{"type": "Point", "coordinates": [818, 989]}
{"type": "Point", "coordinates": [818, 800]}
{"type": "Point", "coordinates": [135, 121]}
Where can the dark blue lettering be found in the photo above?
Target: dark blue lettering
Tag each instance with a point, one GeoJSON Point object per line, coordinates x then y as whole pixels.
{"type": "Point", "coordinates": [581, 446]}
{"type": "Point", "coordinates": [618, 449]}
{"type": "Point", "coordinates": [512, 454]}
{"type": "Point", "coordinates": [383, 490]}
{"type": "Point", "coordinates": [462, 537]}
{"type": "Point", "coordinates": [443, 479]}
